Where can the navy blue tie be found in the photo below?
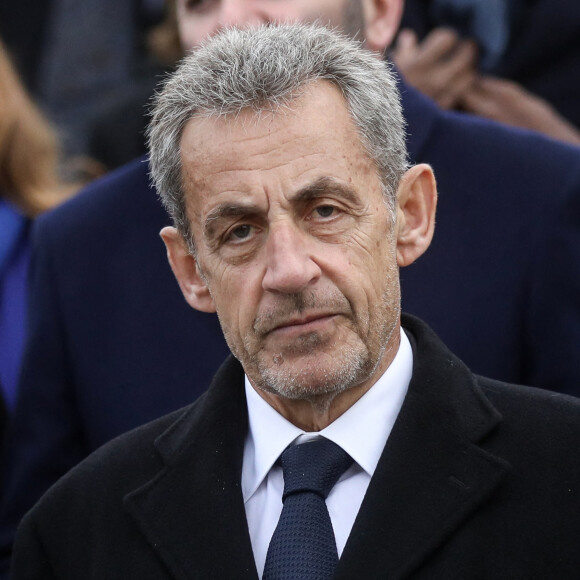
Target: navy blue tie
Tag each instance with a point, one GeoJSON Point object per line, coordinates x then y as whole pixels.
{"type": "Point", "coordinates": [303, 545]}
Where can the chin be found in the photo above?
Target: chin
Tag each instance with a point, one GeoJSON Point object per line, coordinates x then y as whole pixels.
{"type": "Point", "coordinates": [314, 376]}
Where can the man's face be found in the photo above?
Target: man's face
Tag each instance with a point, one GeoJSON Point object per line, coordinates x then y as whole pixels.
{"type": "Point", "coordinates": [295, 244]}
{"type": "Point", "coordinates": [199, 19]}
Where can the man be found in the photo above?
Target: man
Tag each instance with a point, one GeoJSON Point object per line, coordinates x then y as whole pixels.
{"type": "Point", "coordinates": [113, 345]}
{"type": "Point", "coordinates": [280, 154]}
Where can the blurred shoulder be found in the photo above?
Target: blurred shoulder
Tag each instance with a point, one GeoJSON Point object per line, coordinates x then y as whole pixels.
{"type": "Point", "coordinates": [511, 144]}
{"type": "Point", "coordinates": [122, 195]}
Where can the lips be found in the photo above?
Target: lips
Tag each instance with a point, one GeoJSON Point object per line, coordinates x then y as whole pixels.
{"type": "Point", "coordinates": [304, 323]}
{"type": "Point", "coordinates": [299, 312]}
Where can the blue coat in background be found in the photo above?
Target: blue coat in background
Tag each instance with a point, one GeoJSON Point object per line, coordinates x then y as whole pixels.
{"type": "Point", "coordinates": [113, 344]}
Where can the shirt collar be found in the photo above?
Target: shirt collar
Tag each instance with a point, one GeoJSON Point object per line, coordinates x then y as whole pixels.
{"type": "Point", "coordinates": [362, 431]}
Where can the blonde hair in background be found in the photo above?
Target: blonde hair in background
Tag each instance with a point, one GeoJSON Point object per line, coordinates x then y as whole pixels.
{"type": "Point", "coordinates": [29, 151]}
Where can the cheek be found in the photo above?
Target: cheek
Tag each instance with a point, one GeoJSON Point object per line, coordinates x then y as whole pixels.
{"type": "Point", "coordinates": [370, 248]}
{"type": "Point", "coordinates": [369, 270]}
{"type": "Point", "coordinates": [236, 300]}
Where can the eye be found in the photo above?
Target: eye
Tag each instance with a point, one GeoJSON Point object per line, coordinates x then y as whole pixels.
{"type": "Point", "coordinates": [325, 211]}
{"type": "Point", "coordinates": [240, 233]}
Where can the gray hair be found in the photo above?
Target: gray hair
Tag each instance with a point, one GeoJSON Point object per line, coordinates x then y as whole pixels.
{"type": "Point", "coordinates": [266, 68]}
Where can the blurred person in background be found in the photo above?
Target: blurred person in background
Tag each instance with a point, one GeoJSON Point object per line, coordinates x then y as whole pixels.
{"type": "Point", "coordinates": [89, 66]}
{"type": "Point", "coordinates": [29, 185]}
{"type": "Point", "coordinates": [117, 134]}
{"type": "Point", "coordinates": [512, 61]}
{"type": "Point", "coordinates": [23, 27]}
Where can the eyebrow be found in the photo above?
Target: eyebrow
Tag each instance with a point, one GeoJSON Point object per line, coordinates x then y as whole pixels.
{"type": "Point", "coordinates": [323, 186]}
{"type": "Point", "coordinates": [319, 188]}
{"type": "Point", "coordinates": [225, 211]}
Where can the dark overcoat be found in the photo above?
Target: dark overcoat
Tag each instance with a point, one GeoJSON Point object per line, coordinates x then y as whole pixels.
{"type": "Point", "coordinates": [478, 479]}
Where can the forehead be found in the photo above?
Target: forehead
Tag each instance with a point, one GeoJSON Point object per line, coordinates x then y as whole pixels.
{"type": "Point", "coordinates": [272, 153]}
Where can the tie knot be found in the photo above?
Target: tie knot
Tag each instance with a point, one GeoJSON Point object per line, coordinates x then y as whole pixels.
{"type": "Point", "coordinates": [314, 466]}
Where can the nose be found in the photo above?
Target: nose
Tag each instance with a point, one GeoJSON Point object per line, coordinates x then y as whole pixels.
{"type": "Point", "coordinates": [290, 266]}
{"type": "Point", "coordinates": [240, 13]}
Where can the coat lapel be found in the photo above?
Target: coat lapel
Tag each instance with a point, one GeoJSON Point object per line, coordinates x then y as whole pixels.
{"type": "Point", "coordinates": [432, 474]}
{"type": "Point", "coordinates": [192, 512]}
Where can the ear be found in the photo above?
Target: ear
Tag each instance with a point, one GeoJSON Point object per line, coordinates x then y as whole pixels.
{"type": "Point", "coordinates": [382, 20]}
{"type": "Point", "coordinates": [186, 270]}
{"type": "Point", "coordinates": [417, 200]}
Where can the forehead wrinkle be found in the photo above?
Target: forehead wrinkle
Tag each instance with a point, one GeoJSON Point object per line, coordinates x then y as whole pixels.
{"type": "Point", "coordinates": [275, 138]}
{"type": "Point", "coordinates": [223, 175]}
{"type": "Point", "coordinates": [320, 187]}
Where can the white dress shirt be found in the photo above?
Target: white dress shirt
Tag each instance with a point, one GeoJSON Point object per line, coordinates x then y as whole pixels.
{"type": "Point", "coordinates": [362, 431]}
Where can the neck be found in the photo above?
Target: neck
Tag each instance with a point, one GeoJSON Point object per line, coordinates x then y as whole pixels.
{"type": "Point", "coordinates": [317, 412]}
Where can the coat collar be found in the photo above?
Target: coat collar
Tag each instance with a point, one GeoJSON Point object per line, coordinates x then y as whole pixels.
{"type": "Point", "coordinates": [431, 476]}
{"type": "Point", "coordinates": [193, 512]}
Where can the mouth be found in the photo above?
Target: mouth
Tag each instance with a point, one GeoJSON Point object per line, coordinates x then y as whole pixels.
{"type": "Point", "coordinates": [304, 324]}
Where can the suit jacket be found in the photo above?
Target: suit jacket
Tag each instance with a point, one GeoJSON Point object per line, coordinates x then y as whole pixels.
{"type": "Point", "coordinates": [114, 345]}
{"type": "Point", "coordinates": [476, 481]}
